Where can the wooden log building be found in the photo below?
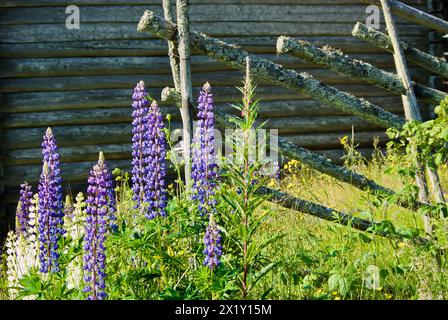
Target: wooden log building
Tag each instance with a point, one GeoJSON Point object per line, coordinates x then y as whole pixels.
{"type": "Point", "coordinates": [80, 82]}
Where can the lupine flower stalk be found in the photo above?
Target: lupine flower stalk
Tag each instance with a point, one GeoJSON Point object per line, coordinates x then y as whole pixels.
{"type": "Point", "coordinates": [21, 253]}
{"type": "Point", "coordinates": [50, 213]}
{"type": "Point", "coordinates": [148, 152]}
{"type": "Point", "coordinates": [51, 157]}
{"type": "Point", "coordinates": [98, 214]}
{"type": "Point", "coordinates": [74, 222]}
{"type": "Point", "coordinates": [23, 208]}
{"type": "Point", "coordinates": [212, 242]}
{"type": "Point", "coordinates": [48, 222]}
{"type": "Point", "coordinates": [75, 228]}
{"type": "Point", "coordinates": [204, 168]}
{"type": "Point", "coordinates": [155, 188]}
{"type": "Point", "coordinates": [140, 137]}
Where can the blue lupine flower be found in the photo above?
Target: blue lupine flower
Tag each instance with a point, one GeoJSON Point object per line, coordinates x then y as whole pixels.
{"type": "Point", "coordinates": [100, 208]}
{"type": "Point", "coordinates": [212, 242]}
{"type": "Point", "coordinates": [155, 189]}
{"type": "Point", "coordinates": [148, 154]}
{"type": "Point", "coordinates": [23, 209]}
{"type": "Point", "coordinates": [204, 168]}
{"type": "Point", "coordinates": [50, 206]}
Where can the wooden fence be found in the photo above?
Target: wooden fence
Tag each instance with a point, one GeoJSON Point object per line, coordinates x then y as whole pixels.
{"type": "Point", "coordinates": [79, 82]}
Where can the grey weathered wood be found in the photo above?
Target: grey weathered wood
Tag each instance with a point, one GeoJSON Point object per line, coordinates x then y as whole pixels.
{"type": "Point", "coordinates": [183, 40]}
{"type": "Point", "coordinates": [77, 134]}
{"type": "Point", "coordinates": [292, 12]}
{"type": "Point", "coordinates": [410, 104]}
{"type": "Point", "coordinates": [70, 154]}
{"type": "Point", "coordinates": [110, 98]}
{"type": "Point", "coordinates": [381, 40]}
{"type": "Point", "coordinates": [267, 70]}
{"type": "Point", "coordinates": [33, 3]}
{"type": "Point", "coordinates": [158, 47]}
{"type": "Point", "coordinates": [313, 160]}
{"type": "Point", "coordinates": [126, 31]}
{"type": "Point", "coordinates": [46, 67]}
{"type": "Point", "coordinates": [172, 49]}
{"type": "Point", "coordinates": [405, 11]}
{"type": "Point", "coordinates": [411, 108]}
{"type": "Point", "coordinates": [343, 64]}
{"type": "Point", "coordinates": [222, 78]}
{"type": "Point", "coordinates": [322, 212]}
{"type": "Point", "coordinates": [119, 114]}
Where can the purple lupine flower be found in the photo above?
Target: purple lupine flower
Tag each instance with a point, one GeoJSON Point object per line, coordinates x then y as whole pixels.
{"type": "Point", "coordinates": [99, 211]}
{"type": "Point", "coordinates": [148, 155]}
{"type": "Point", "coordinates": [155, 169]}
{"type": "Point", "coordinates": [23, 209]}
{"type": "Point", "coordinates": [204, 168]}
{"type": "Point", "coordinates": [140, 152]}
{"type": "Point", "coordinates": [212, 242]}
{"type": "Point", "coordinates": [48, 221]}
{"type": "Point", "coordinates": [51, 157]}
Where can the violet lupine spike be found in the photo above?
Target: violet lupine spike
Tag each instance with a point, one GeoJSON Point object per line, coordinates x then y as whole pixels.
{"type": "Point", "coordinates": [23, 209]}
{"type": "Point", "coordinates": [212, 242]}
{"type": "Point", "coordinates": [48, 222]}
{"type": "Point", "coordinates": [97, 220]}
{"type": "Point", "coordinates": [111, 202]}
{"type": "Point", "coordinates": [204, 168]}
{"type": "Point", "coordinates": [155, 167]}
{"type": "Point", "coordinates": [140, 152]}
{"type": "Point", "coordinates": [148, 155]}
{"type": "Point", "coordinates": [51, 157]}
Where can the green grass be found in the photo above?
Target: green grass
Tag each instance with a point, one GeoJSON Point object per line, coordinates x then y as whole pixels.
{"type": "Point", "coordinates": [323, 260]}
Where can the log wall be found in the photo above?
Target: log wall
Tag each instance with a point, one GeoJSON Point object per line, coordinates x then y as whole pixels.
{"type": "Point", "coordinates": [80, 82]}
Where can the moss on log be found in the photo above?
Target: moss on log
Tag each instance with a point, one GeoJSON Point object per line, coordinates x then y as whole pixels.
{"type": "Point", "coordinates": [383, 41]}
{"type": "Point", "coordinates": [301, 83]}
{"type": "Point", "coordinates": [343, 64]}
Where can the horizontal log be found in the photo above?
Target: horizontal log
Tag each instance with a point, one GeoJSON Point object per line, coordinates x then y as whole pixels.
{"type": "Point", "coordinates": [357, 69]}
{"type": "Point", "coordinates": [111, 31]}
{"type": "Point", "coordinates": [319, 211]}
{"type": "Point", "coordinates": [412, 14]}
{"type": "Point", "coordinates": [219, 78]}
{"type": "Point", "coordinates": [123, 151]}
{"type": "Point", "coordinates": [301, 83]}
{"type": "Point", "coordinates": [198, 13]}
{"type": "Point", "coordinates": [320, 141]}
{"type": "Point", "coordinates": [158, 47]}
{"type": "Point", "coordinates": [51, 67]}
{"type": "Point", "coordinates": [109, 98]}
{"type": "Point", "coordinates": [71, 172]}
{"type": "Point", "coordinates": [70, 154]}
{"type": "Point", "coordinates": [268, 109]}
{"type": "Point", "coordinates": [288, 149]}
{"type": "Point", "coordinates": [418, 57]}
{"type": "Point", "coordinates": [49, 3]}
{"type": "Point", "coordinates": [121, 132]}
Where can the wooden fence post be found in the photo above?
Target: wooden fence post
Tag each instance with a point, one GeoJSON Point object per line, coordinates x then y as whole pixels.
{"type": "Point", "coordinates": [302, 83]}
{"type": "Point", "coordinates": [407, 12]}
{"type": "Point", "coordinates": [383, 41]}
{"type": "Point", "coordinates": [343, 64]}
{"type": "Point", "coordinates": [306, 157]}
{"type": "Point", "coordinates": [412, 111]}
{"type": "Point", "coordinates": [172, 49]}
{"type": "Point", "coordinates": [185, 84]}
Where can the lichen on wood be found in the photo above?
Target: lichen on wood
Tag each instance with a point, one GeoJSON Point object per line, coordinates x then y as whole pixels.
{"type": "Point", "coordinates": [343, 64]}
{"type": "Point", "coordinates": [301, 83]}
